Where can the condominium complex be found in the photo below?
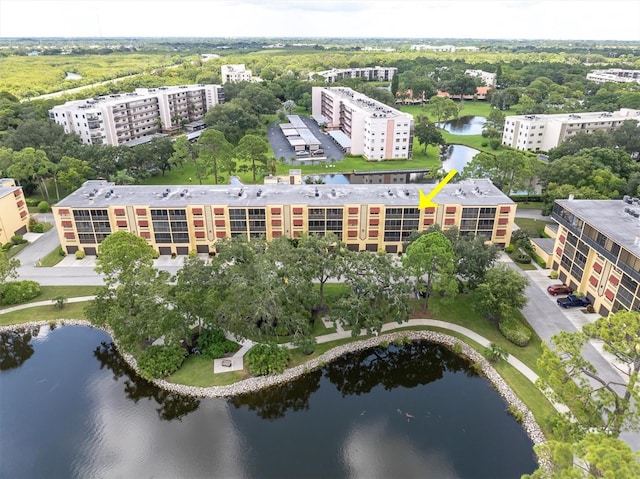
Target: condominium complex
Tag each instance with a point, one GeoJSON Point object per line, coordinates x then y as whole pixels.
{"type": "Point", "coordinates": [235, 73]}
{"type": "Point", "coordinates": [597, 251]}
{"type": "Point", "coordinates": [363, 73]}
{"type": "Point", "coordinates": [443, 48]}
{"type": "Point", "coordinates": [129, 118]}
{"type": "Point", "coordinates": [543, 132]}
{"type": "Point", "coordinates": [614, 75]}
{"type": "Point", "coordinates": [14, 219]}
{"type": "Point", "coordinates": [376, 131]}
{"type": "Point", "coordinates": [179, 219]}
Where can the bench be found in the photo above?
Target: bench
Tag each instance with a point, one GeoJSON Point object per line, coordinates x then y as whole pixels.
{"type": "Point", "coordinates": [226, 363]}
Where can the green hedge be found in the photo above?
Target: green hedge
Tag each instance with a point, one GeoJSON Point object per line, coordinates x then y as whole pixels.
{"type": "Point", "coordinates": [263, 359]}
{"type": "Point", "coordinates": [160, 361]}
{"type": "Point", "coordinates": [213, 344]}
{"type": "Point", "coordinates": [515, 331]}
{"type": "Point", "coordinates": [522, 258]}
{"type": "Point", "coordinates": [15, 292]}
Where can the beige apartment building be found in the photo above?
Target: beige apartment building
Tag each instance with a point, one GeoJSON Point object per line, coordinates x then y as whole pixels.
{"type": "Point", "coordinates": [235, 73]}
{"type": "Point", "coordinates": [179, 219]}
{"type": "Point", "coordinates": [132, 118]}
{"type": "Point", "coordinates": [14, 216]}
{"type": "Point", "coordinates": [597, 251]}
{"type": "Point", "coordinates": [375, 130]}
{"type": "Point", "coordinates": [543, 132]}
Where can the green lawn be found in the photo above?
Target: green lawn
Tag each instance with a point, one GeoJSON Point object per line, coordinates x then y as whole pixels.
{"type": "Point", "coordinates": [532, 227]}
{"type": "Point", "coordinates": [52, 258]}
{"type": "Point", "coordinates": [530, 205]}
{"type": "Point", "coordinates": [44, 313]}
{"type": "Point", "coordinates": [14, 250]}
{"type": "Point", "coordinates": [198, 371]}
{"type": "Point", "coordinates": [50, 292]}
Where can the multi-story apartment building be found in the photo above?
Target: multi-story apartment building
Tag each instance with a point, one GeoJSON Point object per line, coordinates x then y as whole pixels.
{"type": "Point", "coordinates": [597, 251]}
{"type": "Point", "coordinates": [179, 219]}
{"type": "Point", "coordinates": [125, 117]}
{"type": "Point", "coordinates": [487, 78]}
{"type": "Point", "coordinates": [543, 132]}
{"type": "Point", "coordinates": [614, 75]}
{"type": "Point", "coordinates": [235, 73]}
{"type": "Point", "coordinates": [363, 73]}
{"type": "Point", "coordinates": [14, 217]}
{"type": "Point", "coordinates": [377, 131]}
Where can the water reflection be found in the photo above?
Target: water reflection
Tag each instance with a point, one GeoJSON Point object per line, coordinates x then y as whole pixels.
{"type": "Point", "coordinates": [171, 405]}
{"type": "Point", "coordinates": [408, 366]}
{"type": "Point", "coordinates": [457, 156]}
{"type": "Point", "coordinates": [465, 125]}
{"type": "Point", "coordinates": [15, 347]}
{"type": "Point", "coordinates": [273, 403]}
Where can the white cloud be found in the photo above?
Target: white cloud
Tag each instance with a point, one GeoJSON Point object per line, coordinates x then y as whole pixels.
{"type": "Point", "coordinates": [543, 19]}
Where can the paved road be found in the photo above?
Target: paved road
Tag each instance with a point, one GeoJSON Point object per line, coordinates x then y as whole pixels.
{"type": "Point", "coordinates": [533, 214]}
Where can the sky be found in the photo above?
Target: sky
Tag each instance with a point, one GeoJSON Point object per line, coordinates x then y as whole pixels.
{"type": "Point", "coordinates": [498, 19]}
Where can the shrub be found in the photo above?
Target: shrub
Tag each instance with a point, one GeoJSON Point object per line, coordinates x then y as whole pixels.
{"type": "Point", "coordinates": [37, 228]}
{"type": "Point", "coordinates": [553, 274]}
{"type": "Point", "coordinates": [523, 258]}
{"type": "Point", "coordinates": [193, 253]}
{"type": "Point", "coordinates": [32, 202]}
{"type": "Point", "coordinates": [43, 207]}
{"type": "Point", "coordinates": [509, 249]}
{"type": "Point", "coordinates": [457, 348]}
{"type": "Point", "coordinates": [80, 254]}
{"type": "Point", "coordinates": [484, 144]}
{"type": "Point", "coordinates": [516, 413]}
{"type": "Point", "coordinates": [213, 344]}
{"type": "Point", "coordinates": [306, 344]}
{"type": "Point", "coordinates": [14, 292]}
{"type": "Point", "coordinates": [156, 254]}
{"type": "Point", "coordinates": [160, 361]}
{"type": "Point", "coordinates": [540, 262]}
{"type": "Point", "coordinates": [61, 251]}
{"type": "Point", "coordinates": [263, 359]}
{"type": "Point", "coordinates": [515, 331]}
{"type": "Point", "coordinates": [18, 239]}
{"type": "Point", "coordinates": [495, 353]}
{"type": "Point", "coordinates": [495, 143]}
{"type": "Point", "coordinates": [7, 246]}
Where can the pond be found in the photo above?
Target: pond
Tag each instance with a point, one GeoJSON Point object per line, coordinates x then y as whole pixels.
{"type": "Point", "coordinates": [71, 407]}
{"type": "Point", "coordinates": [73, 76]}
{"type": "Point", "coordinates": [457, 156]}
{"type": "Point", "coordinates": [465, 125]}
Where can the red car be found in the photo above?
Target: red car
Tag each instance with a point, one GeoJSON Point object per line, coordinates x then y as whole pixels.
{"type": "Point", "coordinates": [556, 289]}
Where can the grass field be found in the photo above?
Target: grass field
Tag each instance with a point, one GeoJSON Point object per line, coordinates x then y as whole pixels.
{"type": "Point", "coordinates": [51, 259]}
{"type": "Point", "coordinates": [43, 313]}
{"type": "Point", "coordinates": [531, 226]}
{"type": "Point", "coordinates": [50, 292]}
{"type": "Point", "coordinates": [35, 75]}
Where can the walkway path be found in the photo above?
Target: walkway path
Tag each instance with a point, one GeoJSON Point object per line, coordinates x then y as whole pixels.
{"type": "Point", "coordinates": [46, 302]}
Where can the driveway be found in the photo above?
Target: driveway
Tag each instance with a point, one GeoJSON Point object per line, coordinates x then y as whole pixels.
{"type": "Point", "coordinates": [548, 319]}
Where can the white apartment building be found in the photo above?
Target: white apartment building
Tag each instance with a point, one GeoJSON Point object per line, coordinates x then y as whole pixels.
{"type": "Point", "coordinates": [129, 117]}
{"type": "Point", "coordinates": [235, 73]}
{"type": "Point", "coordinates": [364, 73]}
{"type": "Point", "coordinates": [543, 132]}
{"type": "Point", "coordinates": [614, 75]}
{"type": "Point", "coordinates": [442, 48]}
{"type": "Point", "coordinates": [487, 78]}
{"type": "Point", "coordinates": [377, 131]}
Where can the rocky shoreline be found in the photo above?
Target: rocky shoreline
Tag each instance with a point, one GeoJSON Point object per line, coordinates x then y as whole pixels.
{"type": "Point", "coordinates": [253, 384]}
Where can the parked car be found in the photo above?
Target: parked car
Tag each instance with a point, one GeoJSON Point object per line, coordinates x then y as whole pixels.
{"type": "Point", "coordinates": [556, 289]}
{"type": "Point", "coordinates": [573, 301]}
{"type": "Point", "coordinates": [318, 152]}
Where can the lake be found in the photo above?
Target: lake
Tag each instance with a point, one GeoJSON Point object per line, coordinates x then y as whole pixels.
{"type": "Point", "coordinates": [465, 125]}
{"type": "Point", "coordinates": [71, 407]}
{"type": "Point", "coordinates": [457, 156]}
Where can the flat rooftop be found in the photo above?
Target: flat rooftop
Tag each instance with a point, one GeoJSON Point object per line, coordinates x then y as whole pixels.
{"type": "Point", "coordinates": [623, 114]}
{"type": "Point", "coordinates": [363, 102]}
{"type": "Point", "coordinates": [7, 190]}
{"type": "Point", "coordinates": [610, 218]}
{"type": "Point", "coordinates": [100, 193]}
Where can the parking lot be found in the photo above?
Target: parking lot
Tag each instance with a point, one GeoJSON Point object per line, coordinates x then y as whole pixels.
{"type": "Point", "coordinates": [282, 148]}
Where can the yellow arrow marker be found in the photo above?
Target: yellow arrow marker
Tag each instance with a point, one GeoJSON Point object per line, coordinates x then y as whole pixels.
{"type": "Point", "coordinates": [426, 200]}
